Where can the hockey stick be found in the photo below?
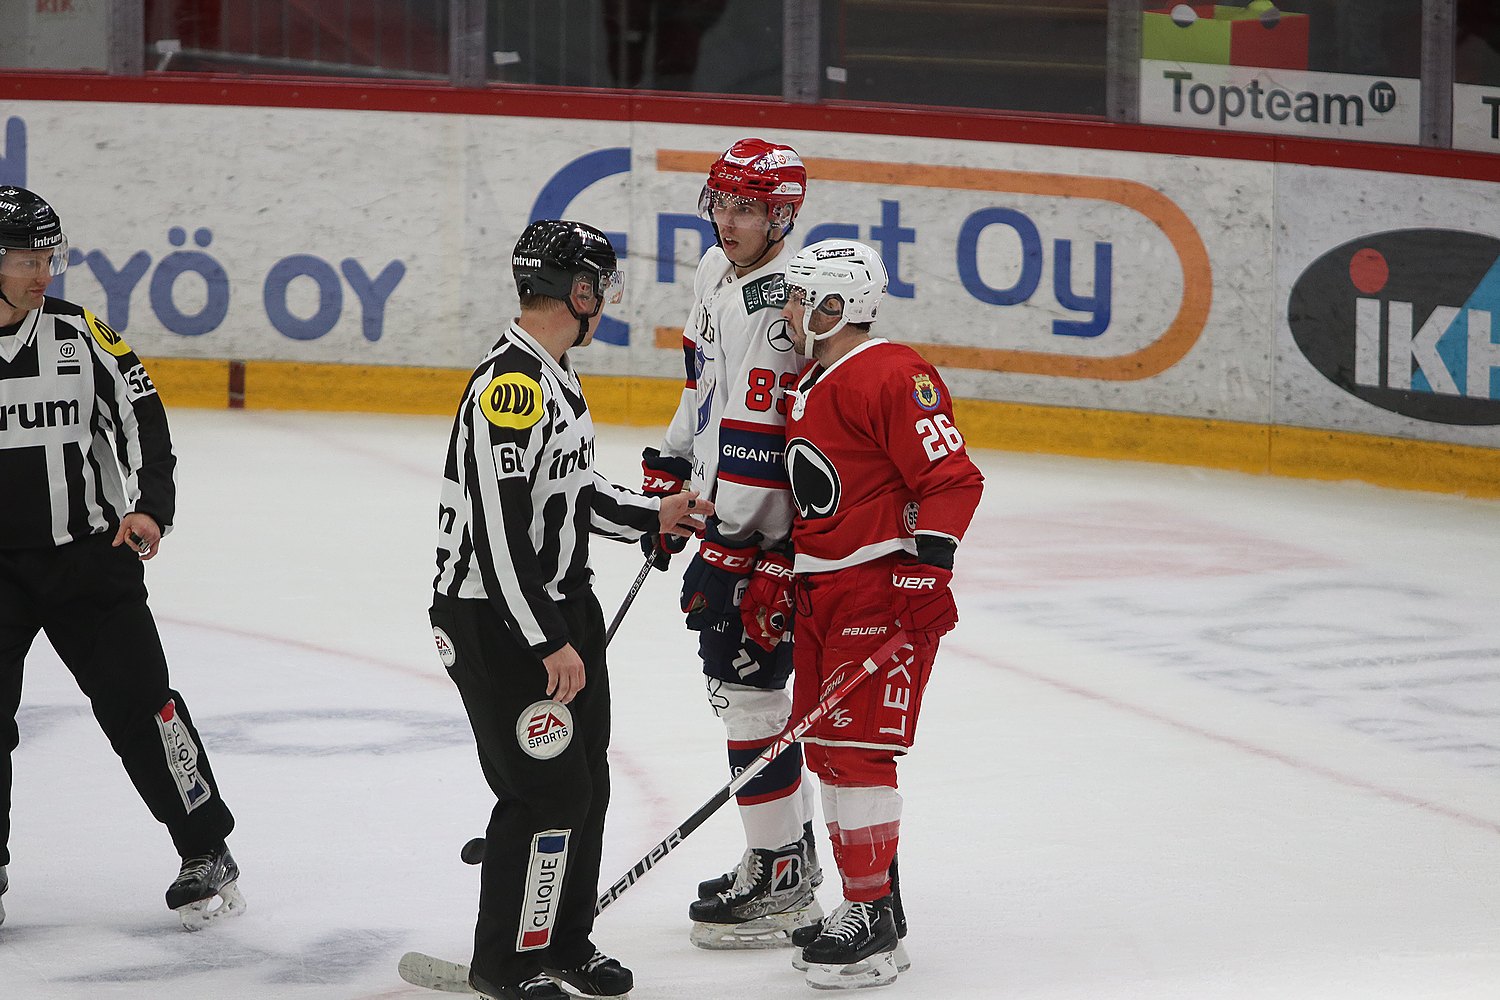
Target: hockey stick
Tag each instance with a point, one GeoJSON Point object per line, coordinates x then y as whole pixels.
{"type": "Point", "coordinates": [629, 598]}
{"type": "Point", "coordinates": [438, 973]}
{"type": "Point", "coordinates": [472, 852]}
{"type": "Point", "coordinates": [453, 977]}
{"type": "Point", "coordinates": [893, 651]}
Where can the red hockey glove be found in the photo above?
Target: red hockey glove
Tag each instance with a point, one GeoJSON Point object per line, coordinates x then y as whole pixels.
{"type": "Point", "coordinates": [766, 608]}
{"type": "Point", "coordinates": [662, 475]}
{"type": "Point", "coordinates": [923, 599]}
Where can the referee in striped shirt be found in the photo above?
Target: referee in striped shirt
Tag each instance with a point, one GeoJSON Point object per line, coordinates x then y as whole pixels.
{"type": "Point", "coordinates": [86, 467]}
{"type": "Point", "coordinates": [518, 627]}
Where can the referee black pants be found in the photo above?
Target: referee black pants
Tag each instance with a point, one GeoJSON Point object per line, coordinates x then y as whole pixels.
{"type": "Point", "coordinates": [544, 804]}
{"type": "Point", "coordinates": [90, 600]}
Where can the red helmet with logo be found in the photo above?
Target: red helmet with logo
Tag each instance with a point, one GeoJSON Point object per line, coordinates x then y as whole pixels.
{"type": "Point", "coordinates": [756, 170]}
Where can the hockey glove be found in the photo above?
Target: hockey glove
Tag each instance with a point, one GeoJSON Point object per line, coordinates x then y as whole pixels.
{"type": "Point", "coordinates": [662, 475]}
{"type": "Point", "coordinates": [767, 607]}
{"type": "Point", "coordinates": [923, 599]}
{"type": "Point", "coordinates": [712, 585]}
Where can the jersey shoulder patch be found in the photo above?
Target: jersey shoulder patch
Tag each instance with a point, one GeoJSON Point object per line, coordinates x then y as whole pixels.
{"type": "Point", "coordinates": [105, 335]}
{"type": "Point", "coordinates": [512, 400]}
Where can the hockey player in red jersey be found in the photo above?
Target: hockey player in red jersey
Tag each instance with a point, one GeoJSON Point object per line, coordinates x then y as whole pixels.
{"type": "Point", "coordinates": [727, 437]}
{"type": "Point", "coordinates": [884, 492]}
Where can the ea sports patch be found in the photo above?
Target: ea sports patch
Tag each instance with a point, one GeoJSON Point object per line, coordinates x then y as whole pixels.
{"type": "Point", "coordinates": [107, 338]}
{"type": "Point", "coordinates": [545, 729]}
{"type": "Point", "coordinates": [512, 400]}
{"type": "Point", "coordinates": [925, 393]}
{"type": "Point", "coordinates": [544, 879]}
{"type": "Point", "coordinates": [445, 649]}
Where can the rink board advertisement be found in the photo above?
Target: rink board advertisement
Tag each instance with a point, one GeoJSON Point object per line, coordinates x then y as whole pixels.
{"type": "Point", "coordinates": [1391, 292]}
{"type": "Point", "coordinates": [1077, 281]}
{"type": "Point", "coordinates": [1034, 274]}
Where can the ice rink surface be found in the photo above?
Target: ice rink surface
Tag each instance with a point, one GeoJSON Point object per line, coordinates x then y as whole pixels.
{"type": "Point", "coordinates": [1199, 736]}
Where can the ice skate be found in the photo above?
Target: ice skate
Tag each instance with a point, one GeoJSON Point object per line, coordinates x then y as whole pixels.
{"type": "Point", "coordinates": [600, 976]}
{"type": "Point", "coordinates": [709, 888]}
{"type": "Point", "coordinates": [206, 889]}
{"type": "Point", "coordinates": [770, 896]}
{"type": "Point", "coordinates": [855, 949]}
{"type": "Point", "coordinates": [4, 884]}
{"type": "Point", "coordinates": [535, 988]}
{"type": "Point", "coordinates": [803, 936]}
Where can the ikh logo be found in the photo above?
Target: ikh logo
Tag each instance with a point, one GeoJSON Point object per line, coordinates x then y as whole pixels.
{"type": "Point", "coordinates": [815, 482]}
{"type": "Point", "coordinates": [544, 880]}
{"type": "Point", "coordinates": [182, 756]}
{"type": "Point", "coordinates": [1407, 321]}
{"type": "Point", "coordinates": [545, 729]}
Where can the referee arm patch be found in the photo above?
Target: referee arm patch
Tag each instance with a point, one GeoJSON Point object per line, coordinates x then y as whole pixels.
{"type": "Point", "coordinates": [105, 335]}
{"type": "Point", "coordinates": [512, 400]}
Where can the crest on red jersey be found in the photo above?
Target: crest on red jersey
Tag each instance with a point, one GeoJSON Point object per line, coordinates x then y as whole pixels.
{"type": "Point", "coordinates": [925, 393]}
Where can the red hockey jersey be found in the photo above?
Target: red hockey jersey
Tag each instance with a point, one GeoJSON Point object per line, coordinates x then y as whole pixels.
{"type": "Point", "coordinates": [875, 459]}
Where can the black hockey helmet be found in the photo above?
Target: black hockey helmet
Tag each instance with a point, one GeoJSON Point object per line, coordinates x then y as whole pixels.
{"type": "Point", "coordinates": [27, 222]}
{"type": "Point", "coordinates": [554, 253]}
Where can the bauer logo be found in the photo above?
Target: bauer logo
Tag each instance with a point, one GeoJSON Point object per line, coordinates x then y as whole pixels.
{"type": "Point", "coordinates": [1406, 321]}
{"type": "Point", "coordinates": [544, 880]}
{"type": "Point", "coordinates": [545, 729]}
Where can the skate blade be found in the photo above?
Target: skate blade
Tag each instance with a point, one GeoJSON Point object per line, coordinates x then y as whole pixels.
{"type": "Point", "coordinates": [771, 931]}
{"type": "Point", "coordinates": [877, 970]}
{"type": "Point", "coordinates": [198, 915]}
{"type": "Point", "coordinates": [903, 960]}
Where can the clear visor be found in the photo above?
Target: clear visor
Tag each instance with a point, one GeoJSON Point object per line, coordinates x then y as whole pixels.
{"type": "Point", "coordinates": [31, 263]}
{"type": "Point", "coordinates": [831, 305]}
{"type": "Point", "coordinates": [723, 208]}
{"type": "Point", "coordinates": [611, 286]}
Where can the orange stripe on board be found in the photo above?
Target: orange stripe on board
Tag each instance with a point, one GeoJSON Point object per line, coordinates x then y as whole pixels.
{"type": "Point", "coordinates": [1153, 359]}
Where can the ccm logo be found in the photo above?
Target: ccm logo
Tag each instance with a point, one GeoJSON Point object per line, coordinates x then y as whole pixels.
{"type": "Point", "coordinates": [729, 560]}
{"type": "Point", "coordinates": [661, 485]}
{"type": "Point", "coordinates": [914, 583]}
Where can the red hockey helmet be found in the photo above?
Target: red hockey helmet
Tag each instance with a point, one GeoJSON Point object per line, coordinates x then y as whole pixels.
{"type": "Point", "coordinates": [756, 170]}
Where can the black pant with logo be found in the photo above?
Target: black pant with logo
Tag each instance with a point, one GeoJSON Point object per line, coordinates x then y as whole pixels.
{"type": "Point", "coordinates": [90, 600]}
{"type": "Point", "coordinates": [549, 809]}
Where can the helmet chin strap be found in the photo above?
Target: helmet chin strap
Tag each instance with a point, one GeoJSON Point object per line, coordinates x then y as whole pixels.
{"type": "Point", "coordinates": [810, 340]}
{"type": "Point", "coordinates": [770, 243]}
{"type": "Point", "coordinates": [583, 318]}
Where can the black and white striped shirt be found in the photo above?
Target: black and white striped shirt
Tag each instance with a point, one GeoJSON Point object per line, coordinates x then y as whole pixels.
{"type": "Point", "coordinates": [83, 434]}
{"type": "Point", "coordinates": [520, 493]}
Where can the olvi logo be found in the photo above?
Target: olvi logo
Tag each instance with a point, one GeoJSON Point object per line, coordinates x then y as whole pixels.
{"type": "Point", "coordinates": [1407, 320]}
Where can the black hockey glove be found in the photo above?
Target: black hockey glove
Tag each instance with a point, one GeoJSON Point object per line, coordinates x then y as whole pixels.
{"type": "Point", "coordinates": [714, 583]}
{"type": "Point", "coordinates": [662, 475]}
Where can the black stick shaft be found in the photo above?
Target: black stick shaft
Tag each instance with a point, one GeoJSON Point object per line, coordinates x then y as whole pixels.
{"type": "Point", "coordinates": [881, 657]}
{"type": "Point", "coordinates": [629, 598]}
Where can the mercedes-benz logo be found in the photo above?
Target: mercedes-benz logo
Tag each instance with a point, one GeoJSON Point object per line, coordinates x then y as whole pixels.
{"type": "Point", "coordinates": [779, 336]}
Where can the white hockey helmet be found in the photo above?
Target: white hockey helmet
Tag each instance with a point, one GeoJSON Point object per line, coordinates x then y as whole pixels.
{"type": "Point", "coordinates": [843, 278]}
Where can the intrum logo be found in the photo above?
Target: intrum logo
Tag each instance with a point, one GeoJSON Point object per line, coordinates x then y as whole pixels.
{"type": "Point", "coordinates": [1406, 321]}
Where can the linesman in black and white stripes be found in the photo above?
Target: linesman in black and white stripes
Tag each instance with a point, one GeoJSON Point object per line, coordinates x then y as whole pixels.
{"type": "Point", "coordinates": [86, 471]}
{"type": "Point", "coordinates": [518, 627]}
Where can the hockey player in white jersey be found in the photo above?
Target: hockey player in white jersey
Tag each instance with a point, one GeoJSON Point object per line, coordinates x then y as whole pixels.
{"type": "Point", "coordinates": [728, 438]}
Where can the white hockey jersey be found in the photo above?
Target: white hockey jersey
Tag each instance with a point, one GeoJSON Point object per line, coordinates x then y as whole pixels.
{"type": "Point", "coordinates": [731, 422]}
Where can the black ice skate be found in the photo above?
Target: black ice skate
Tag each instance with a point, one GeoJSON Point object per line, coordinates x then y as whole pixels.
{"type": "Point", "coordinates": [205, 889]}
{"type": "Point", "coordinates": [600, 976]}
{"type": "Point", "coordinates": [709, 888]}
{"type": "Point", "coordinates": [772, 893]}
{"type": "Point", "coordinates": [803, 936]}
{"type": "Point", "coordinates": [855, 949]}
{"type": "Point", "coordinates": [535, 988]}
